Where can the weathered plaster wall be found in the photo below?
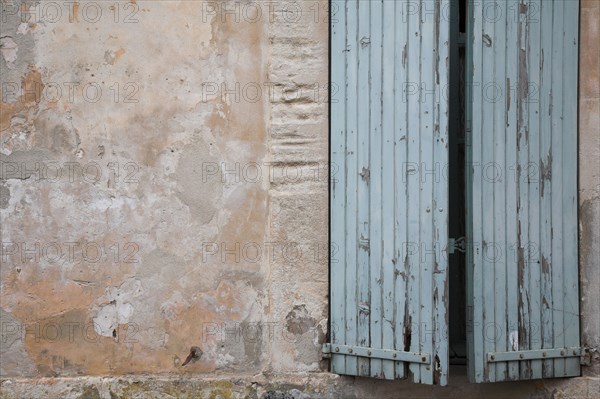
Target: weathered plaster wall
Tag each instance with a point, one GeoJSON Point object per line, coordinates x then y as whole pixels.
{"type": "Point", "coordinates": [225, 207]}
{"type": "Point", "coordinates": [117, 98]}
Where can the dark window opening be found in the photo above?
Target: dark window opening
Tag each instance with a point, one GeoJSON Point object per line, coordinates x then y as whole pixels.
{"type": "Point", "coordinates": [462, 4]}
{"type": "Point", "coordinates": [457, 199]}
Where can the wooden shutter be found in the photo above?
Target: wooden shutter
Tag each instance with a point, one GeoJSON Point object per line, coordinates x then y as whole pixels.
{"type": "Point", "coordinates": [389, 193]}
{"type": "Point", "coordinates": [522, 183]}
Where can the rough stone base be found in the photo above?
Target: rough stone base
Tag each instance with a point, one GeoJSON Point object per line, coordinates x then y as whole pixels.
{"type": "Point", "coordinates": [287, 386]}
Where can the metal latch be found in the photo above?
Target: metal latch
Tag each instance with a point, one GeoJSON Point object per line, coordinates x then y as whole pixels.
{"type": "Point", "coordinates": [456, 244]}
{"type": "Point", "coordinates": [587, 355]}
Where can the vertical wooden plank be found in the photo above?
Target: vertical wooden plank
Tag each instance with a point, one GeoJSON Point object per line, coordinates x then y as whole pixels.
{"type": "Point", "coordinates": [472, 332]}
{"type": "Point", "coordinates": [338, 183]}
{"type": "Point", "coordinates": [487, 190]}
{"type": "Point", "coordinates": [440, 195]}
{"type": "Point", "coordinates": [389, 258]}
{"type": "Point", "coordinates": [414, 192]}
{"type": "Point", "coordinates": [524, 265]}
{"type": "Point", "coordinates": [352, 178]}
{"type": "Point", "coordinates": [364, 172]}
{"type": "Point", "coordinates": [512, 223]}
{"type": "Point", "coordinates": [555, 179]}
{"type": "Point", "coordinates": [545, 155]}
{"type": "Point", "coordinates": [569, 182]}
{"type": "Point", "coordinates": [402, 314]}
{"type": "Point", "coordinates": [497, 174]}
{"type": "Point", "coordinates": [375, 203]}
{"type": "Point", "coordinates": [528, 62]}
{"type": "Point", "coordinates": [530, 99]}
{"type": "Point", "coordinates": [475, 180]}
{"type": "Point", "coordinates": [427, 177]}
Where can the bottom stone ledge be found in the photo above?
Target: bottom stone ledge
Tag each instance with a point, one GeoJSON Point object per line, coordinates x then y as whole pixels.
{"type": "Point", "coordinates": [285, 386]}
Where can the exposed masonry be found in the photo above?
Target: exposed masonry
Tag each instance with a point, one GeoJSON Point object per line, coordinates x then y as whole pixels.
{"type": "Point", "coordinates": [296, 385]}
{"type": "Point", "coordinates": [173, 295]}
{"type": "Point", "coordinates": [298, 209]}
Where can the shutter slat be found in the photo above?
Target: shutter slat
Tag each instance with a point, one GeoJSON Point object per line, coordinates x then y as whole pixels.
{"type": "Point", "coordinates": [523, 244]}
{"type": "Point", "coordinates": [555, 180]}
{"type": "Point", "coordinates": [363, 177]}
{"type": "Point", "coordinates": [426, 166]}
{"type": "Point", "coordinates": [388, 184]}
{"type": "Point", "coordinates": [375, 191]}
{"type": "Point", "coordinates": [440, 196]}
{"type": "Point", "coordinates": [500, 248]}
{"type": "Point", "coordinates": [530, 46]}
{"type": "Point", "coordinates": [488, 269]}
{"type": "Point", "coordinates": [413, 115]}
{"type": "Point", "coordinates": [512, 230]}
{"type": "Point", "coordinates": [545, 190]}
{"type": "Point", "coordinates": [351, 191]}
{"type": "Point", "coordinates": [400, 185]}
{"type": "Point", "coordinates": [474, 97]}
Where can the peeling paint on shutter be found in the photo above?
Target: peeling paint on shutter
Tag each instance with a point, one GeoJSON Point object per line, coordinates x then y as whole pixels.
{"type": "Point", "coordinates": [522, 184]}
{"type": "Point", "coordinates": [389, 194]}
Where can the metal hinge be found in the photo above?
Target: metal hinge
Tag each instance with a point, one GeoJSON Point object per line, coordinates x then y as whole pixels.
{"type": "Point", "coordinates": [456, 244]}
{"type": "Point", "coordinates": [386, 354]}
{"type": "Point", "coordinates": [538, 354]}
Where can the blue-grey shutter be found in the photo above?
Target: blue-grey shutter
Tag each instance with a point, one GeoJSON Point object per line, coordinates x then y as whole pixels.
{"type": "Point", "coordinates": [522, 181]}
{"type": "Point", "coordinates": [389, 194]}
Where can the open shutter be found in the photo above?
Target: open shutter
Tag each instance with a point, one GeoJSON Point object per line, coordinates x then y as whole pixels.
{"type": "Point", "coordinates": [389, 193]}
{"type": "Point", "coordinates": [522, 182]}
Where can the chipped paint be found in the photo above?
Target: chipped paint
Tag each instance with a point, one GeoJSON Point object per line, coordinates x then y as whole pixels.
{"type": "Point", "coordinates": [365, 175]}
{"type": "Point", "coordinates": [487, 40]}
{"type": "Point", "coordinates": [545, 172]}
{"type": "Point", "coordinates": [9, 50]}
{"type": "Point", "coordinates": [513, 339]}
